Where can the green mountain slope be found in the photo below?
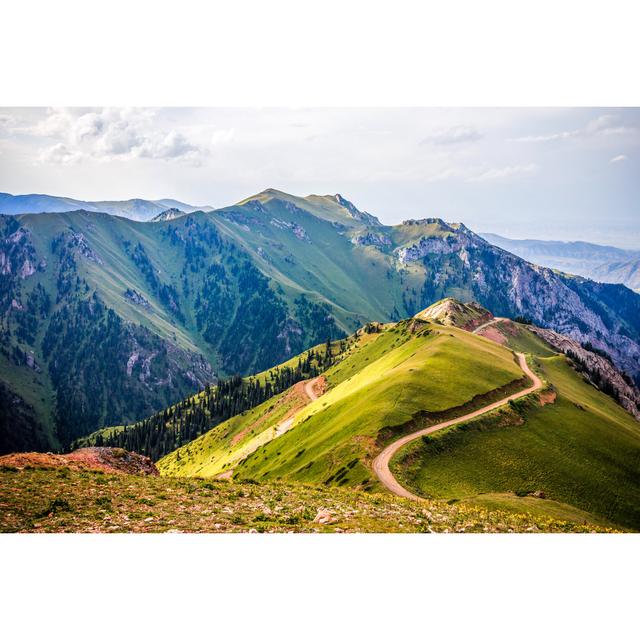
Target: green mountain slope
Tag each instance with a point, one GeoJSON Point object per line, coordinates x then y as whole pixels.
{"type": "Point", "coordinates": [104, 320]}
{"type": "Point", "coordinates": [385, 380]}
{"type": "Point", "coordinates": [573, 445]}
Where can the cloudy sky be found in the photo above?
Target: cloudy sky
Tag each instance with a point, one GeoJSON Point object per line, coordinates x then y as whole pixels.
{"type": "Point", "coordinates": [538, 173]}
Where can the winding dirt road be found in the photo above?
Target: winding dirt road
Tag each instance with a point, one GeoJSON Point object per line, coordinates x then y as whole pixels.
{"type": "Point", "coordinates": [381, 463]}
{"type": "Point", "coordinates": [487, 324]}
{"type": "Point", "coordinates": [309, 390]}
{"type": "Point", "coordinates": [279, 429]}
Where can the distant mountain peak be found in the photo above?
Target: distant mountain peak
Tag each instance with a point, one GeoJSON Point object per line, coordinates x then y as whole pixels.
{"type": "Point", "coordinates": [169, 214]}
{"type": "Point", "coordinates": [453, 312]}
{"type": "Point", "coordinates": [265, 194]}
{"type": "Point", "coordinates": [354, 212]}
{"type": "Point", "coordinates": [134, 208]}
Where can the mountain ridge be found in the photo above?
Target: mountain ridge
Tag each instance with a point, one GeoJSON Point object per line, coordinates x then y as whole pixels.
{"type": "Point", "coordinates": [602, 263]}
{"type": "Point", "coordinates": [134, 208]}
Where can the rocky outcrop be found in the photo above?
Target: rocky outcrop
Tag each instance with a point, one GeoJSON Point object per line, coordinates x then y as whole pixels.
{"type": "Point", "coordinates": [436, 245]}
{"type": "Point", "coordinates": [136, 298]}
{"type": "Point", "coordinates": [297, 230]}
{"type": "Point", "coordinates": [17, 253]}
{"type": "Point", "coordinates": [371, 239]}
{"type": "Point", "coordinates": [452, 312]}
{"type": "Point", "coordinates": [355, 213]}
{"type": "Point", "coordinates": [79, 245]}
{"type": "Point", "coordinates": [105, 459]}
{"type": "Point", "coordinates": [607, 316]}
{"type": "Point", "coordinates": [596, 368]}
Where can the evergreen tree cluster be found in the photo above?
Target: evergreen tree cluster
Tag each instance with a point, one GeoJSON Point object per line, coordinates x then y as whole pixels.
{"type": "Point", "coordinates": [167, 430]}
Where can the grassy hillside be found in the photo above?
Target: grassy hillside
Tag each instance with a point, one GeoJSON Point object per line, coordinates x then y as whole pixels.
{"type": "Point", "coordinates": [57, 501]}
{"type": "Point", "coordinates": [576, 447]}
{"type": "Point", "coordinates": [383, 381]}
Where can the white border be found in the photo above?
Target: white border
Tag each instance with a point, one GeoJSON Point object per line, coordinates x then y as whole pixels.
{"type": "Point", "coordinates": [304, 586]}
{"type": "Point", "coordinates": [334, 53]}
{"type": "Point", "coordinates": [347, 53]}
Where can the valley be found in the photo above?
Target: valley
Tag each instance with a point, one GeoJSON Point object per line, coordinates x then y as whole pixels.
{"type": "Point", "coordinates": [175, 305]}
{"type": "Point", "coordinates": [468, 434]}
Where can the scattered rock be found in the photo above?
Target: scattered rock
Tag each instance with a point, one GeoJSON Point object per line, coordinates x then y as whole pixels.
{"type": "Point", "coordinates": [324, 516]}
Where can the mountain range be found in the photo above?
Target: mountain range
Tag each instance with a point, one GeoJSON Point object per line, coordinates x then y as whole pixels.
{"type": "Point", "coordinates": [135, 209]}
{"type": "Point", "coordinates": [105, 320]}
{"type": "Point", "coordinates": [597, 262]}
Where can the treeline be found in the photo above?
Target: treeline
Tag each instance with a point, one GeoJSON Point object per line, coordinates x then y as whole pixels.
{"type": "Point", "coordinates": [167, 430]}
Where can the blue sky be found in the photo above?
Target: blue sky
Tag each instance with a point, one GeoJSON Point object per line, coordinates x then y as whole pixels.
{"type": "Point", "coordinates": [555, 173]}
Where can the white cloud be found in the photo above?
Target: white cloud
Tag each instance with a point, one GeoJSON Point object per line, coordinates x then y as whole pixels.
{"type": "Point", "coordinates": [616, 159]}
{"type": "Point", "coordinates": [454, 135]}
{"type": "Point", "coordinates": [504, 173]}
{"type": "Point", "coordinates": [107, 134]}
{"type": "Point", "coordinates": [58, 154]}
{"type": "Point", "coordinates": [604, 125]}
{"type": "Point", "coordinates": [173, 145]}
{"type": "Point", "coordinates": [56, 123]}
{"type": "Point", "coordinates": [563, 135]}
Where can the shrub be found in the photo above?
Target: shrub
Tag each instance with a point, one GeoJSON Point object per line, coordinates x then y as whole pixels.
{"type": "Point", "coordinates": [104, 502]}
{"type": "Point", "coordinates": [55, 506]}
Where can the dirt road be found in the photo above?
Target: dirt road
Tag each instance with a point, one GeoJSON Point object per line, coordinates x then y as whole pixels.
{"type": "Point", "coordinates": [309, 390]}
{"type": "Point", "coordinates": [381, 463]}
{"type": "Point", "coordinates": [487, 324]}
{"type": "Point", "coordinates": [283, 426]}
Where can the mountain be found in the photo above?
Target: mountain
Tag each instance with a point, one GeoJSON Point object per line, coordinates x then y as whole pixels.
{"type": "Point", "coordinates": [454, 313]}
{"type": "Point", "coordinates": [105, 320]}
{"type": "Point", "coordinates": [169, 214]}
{"type": "Point", "coordinates": [135, 209]}
{"type": "Point", "coordinates": [597, 262]}
{"type": "Point", "coordinates": [390, 380]}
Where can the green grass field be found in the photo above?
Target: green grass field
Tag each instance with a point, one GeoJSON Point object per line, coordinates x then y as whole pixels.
{"type": "Point", "coordinates": [582, 450]}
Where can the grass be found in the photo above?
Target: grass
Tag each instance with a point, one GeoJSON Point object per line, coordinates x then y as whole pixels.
{"type": "Point", "coordinates": [384, 381]}
{"type": "Point", "coordinates": [519, 338]}
{"type": "Point", "coordinates": [583, 450]}
{"type": "Point", "coordinates": [49, 501]}
{"type": "Point", "coordinates": [536, 506]}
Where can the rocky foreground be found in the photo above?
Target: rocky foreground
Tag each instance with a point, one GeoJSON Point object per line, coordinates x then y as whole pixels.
{"type": "Point", "coordinates": [64, 499]}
